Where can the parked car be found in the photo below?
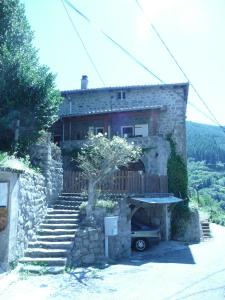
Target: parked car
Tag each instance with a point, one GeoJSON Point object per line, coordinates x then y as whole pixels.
{"type": "Point", "coordinates": [142, 236]}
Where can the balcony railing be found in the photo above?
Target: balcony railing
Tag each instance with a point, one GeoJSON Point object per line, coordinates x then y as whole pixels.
{"type": "Point", "coordinates": [128, 182]}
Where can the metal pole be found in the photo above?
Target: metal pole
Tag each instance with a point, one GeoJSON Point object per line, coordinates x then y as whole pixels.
{"type": "Point", "coordinates": [106, 246]}
{"type": "Point", "coordinates": [166, 223]}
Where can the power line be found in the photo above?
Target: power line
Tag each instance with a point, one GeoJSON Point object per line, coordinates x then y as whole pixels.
{"type": "Point", "coordinates": [134, 58]}
{"type": "Point", "coordinates": [115, 43]}
{"type": "Point", "coordinates": [85, 48]}
{"type": "Point", "coordinates": [178, 65]}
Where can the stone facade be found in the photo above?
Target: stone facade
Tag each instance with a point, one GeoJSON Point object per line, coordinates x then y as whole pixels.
{"type": "Point", "coordinates": [88, 247]}
{"type": "Point", "coordinates": [47, 157]}
{"type": "Point", "coordinates": [161, 107]}
{"type": "Point", "coordinates": [89, 242]}
{"type": "Point", "coordinates": [190, 231]}
{"type": "Point", "coordinates": [32, 207]}
{"type": "Point", "coordinates": [29, 195]}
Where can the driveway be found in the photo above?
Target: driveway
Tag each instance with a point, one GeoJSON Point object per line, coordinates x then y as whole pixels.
{"type": "Point", "coordinates": [168, 271]}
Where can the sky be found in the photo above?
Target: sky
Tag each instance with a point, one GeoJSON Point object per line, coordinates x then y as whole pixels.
{"type": "Point", "coordinates": [194, 31]}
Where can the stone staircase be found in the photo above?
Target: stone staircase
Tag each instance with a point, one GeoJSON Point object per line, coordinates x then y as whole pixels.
{"type": "Point", "coordinates": [206, 232]}
{"type": "Point", "coordinates": [48, 253]}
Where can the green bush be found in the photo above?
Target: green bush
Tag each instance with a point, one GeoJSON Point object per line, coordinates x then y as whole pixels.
{"type": "Point", "coordinates": [177, 173]}
{"type": "Point", "coordinates": [179, 219]}
{"type": "Point", "coordinates": [109, 205]}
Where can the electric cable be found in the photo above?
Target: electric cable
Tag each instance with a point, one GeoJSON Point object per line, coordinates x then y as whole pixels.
{"type": "Point", "coordinates": [181, 69]}
{"type": "Point", "coordinates": [85, 48]}
{"type": "Point", "coordinates": [137, 61]}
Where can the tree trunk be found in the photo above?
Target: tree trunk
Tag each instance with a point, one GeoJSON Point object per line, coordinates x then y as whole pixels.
{"type": "Point", "coordinates": [91, 197]}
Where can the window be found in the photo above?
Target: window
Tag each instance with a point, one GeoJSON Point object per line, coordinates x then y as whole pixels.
{"type": "Point", "coordinates": [121, 95]}
{"type": "Point", "coordinates": [99, 130]}
{"type": "Point", "coordinates": [127, 131]}
{"type": "Point", "coordinates": [91, 130]}
{"type": "Point", "coordinates": [141, 130]}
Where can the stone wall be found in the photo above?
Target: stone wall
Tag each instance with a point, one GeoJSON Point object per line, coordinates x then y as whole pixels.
{"type": "Point", "coordinates": [32, 207]}
{"type": "Point", "coordinates": [89, 242]}
{"type": "Point", "coordinates": [29, 195]}
{"type": "Point", "coordinates": [190, 230]}
{"type": "Point", "coordinates": [88, 247]}
{"type": "Point", "coordinates": [47, 156]}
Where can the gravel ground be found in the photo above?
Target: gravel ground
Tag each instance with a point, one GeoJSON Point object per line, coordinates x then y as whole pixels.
{"type": "Point", "coordinates": [168, 271]}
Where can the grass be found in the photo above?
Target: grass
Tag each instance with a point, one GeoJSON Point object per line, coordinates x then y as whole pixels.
{"type": "Point", "coordinates": [16, 163]}
{"type": "Point", "coordinates": [210, 207]}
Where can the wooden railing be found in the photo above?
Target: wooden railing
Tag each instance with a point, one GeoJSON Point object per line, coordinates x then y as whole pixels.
{"type": "Point", "coordinates": [119, 182]}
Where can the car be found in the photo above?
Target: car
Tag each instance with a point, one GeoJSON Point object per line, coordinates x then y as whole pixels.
{"type": "Point", "coordinates": [142, 236]}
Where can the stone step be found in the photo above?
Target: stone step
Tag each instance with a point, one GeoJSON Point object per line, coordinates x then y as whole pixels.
{"type": "Point", "coordinates": [44, 261]}
{"type": "Point", "coordinates": [62, 216]}
{"type": "Point", "coordinates": [40, 252]}
{"type": "Point", "coordinates": [42, 270]}
{"type": "Point", "coordinates": [59, 231]}
{"type": "Point", "coordinates": [206, 230]}
{"type": "Point", "coordinates": [65, 207]}
{"type": "Point", "coordinates": [58, 226]}
{"type": "Point", "coordinates": [51, 244]}
{"type": "Point", "coordinates": [72, 195]}
{"type": "Point", "coordinates": [206, 233]}
{"type": "Point", "coordinates": [69, 202]}
{"type": "Point", "coordinates": [60, 221]}
{"type": "Point", "coordinates": [56, 238]}
{"type": "Point", "coordinates": [52, 211]}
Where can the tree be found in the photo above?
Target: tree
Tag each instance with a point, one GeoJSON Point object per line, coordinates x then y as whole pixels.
{"type": "Point", "coordinates": [28, 98]}
{"type": "Point", "coordinates": [101, 157]}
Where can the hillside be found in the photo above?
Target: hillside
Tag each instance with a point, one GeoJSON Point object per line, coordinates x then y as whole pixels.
{"type": "Point", "coordinates": [205, 143]}
{"type": "Point", "coordinates": [206, 168]}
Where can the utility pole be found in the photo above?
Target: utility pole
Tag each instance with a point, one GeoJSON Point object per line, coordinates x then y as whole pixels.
{"type": "Point", "coordinates": [16, 135]}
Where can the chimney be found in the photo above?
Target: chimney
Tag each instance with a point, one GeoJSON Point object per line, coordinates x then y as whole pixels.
{"type": "Point", "coordinates": [84, 82]}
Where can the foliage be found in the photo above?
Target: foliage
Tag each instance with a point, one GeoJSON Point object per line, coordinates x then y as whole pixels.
{"type": "Point", "coordinates": [177, 172]}
{"type": "Point", "coordinates": [100, 157]}
{"type": "Point", "coordinates": [205, 143]}
{"type": "Point", "coordinates": [29, 99]}
{"type": "Point", "coordinates": [15, 163]}
{"type": "Point", "coordinates": [179, 219]}
{"type": "Point", "coordinates": [108, 205]}
{"type": "Point", "coordinates": [207, 189]}
{"type": "Point", "coordinates": [3, 157]}
{"type": "Point", "coordinates": [207, 181]}
{"type": "Point", "coordinates": [207, 205]}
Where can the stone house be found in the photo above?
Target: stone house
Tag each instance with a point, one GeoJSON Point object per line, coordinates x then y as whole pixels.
{"type": "Point", "coordinates": [145, 115]}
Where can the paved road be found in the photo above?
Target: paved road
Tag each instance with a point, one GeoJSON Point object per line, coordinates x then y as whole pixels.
{"type": "Point", "coordinates": [166, 272]}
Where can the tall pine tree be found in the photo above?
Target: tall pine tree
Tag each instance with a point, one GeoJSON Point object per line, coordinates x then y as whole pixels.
{"type": "Point", "coordinates": [28, 98]}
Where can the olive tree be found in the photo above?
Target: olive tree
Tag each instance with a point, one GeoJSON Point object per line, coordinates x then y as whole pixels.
{"type": "Point", "coordinates": [101, 157]}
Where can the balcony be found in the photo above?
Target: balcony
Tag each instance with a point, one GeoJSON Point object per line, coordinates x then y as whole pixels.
{"type": "Point", "coordinates": [143, 142]}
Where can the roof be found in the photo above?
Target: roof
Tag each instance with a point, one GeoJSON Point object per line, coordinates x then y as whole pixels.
{"type": "Point", "coordinates": [111, 110]}
{"type": "Point", "coordinates": [157, 200]}
{"type": "Point", "coordinates": [184, 85]}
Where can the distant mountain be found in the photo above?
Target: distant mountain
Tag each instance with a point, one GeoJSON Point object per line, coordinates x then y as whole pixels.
{"type": "Point", "coordinates": [205, 142]}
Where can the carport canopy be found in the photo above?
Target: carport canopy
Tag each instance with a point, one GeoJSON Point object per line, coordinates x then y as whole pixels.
{"type": "Point", "coordinates": [158, 200]}
{"type": "Point", "coordinates": [162, 199]}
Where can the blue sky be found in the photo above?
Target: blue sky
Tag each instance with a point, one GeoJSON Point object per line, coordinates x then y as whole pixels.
{"type": "Point", "coordinates": [193, 30]}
